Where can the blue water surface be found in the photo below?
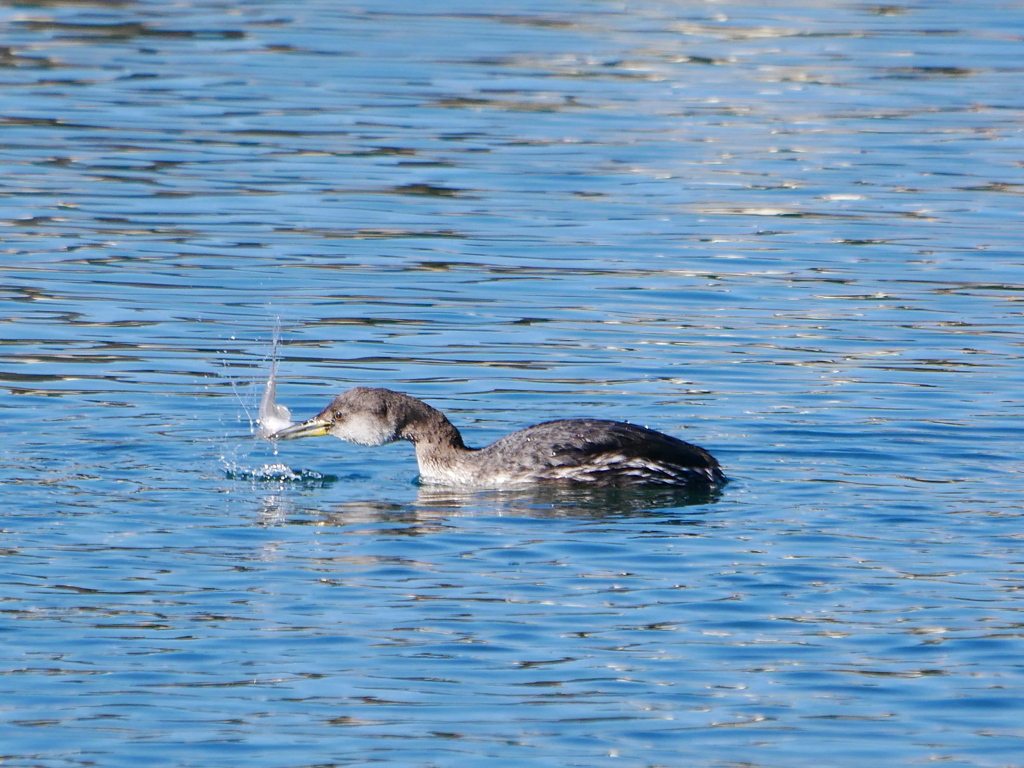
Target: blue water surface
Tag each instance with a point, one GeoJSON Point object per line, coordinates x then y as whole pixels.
{"type": "Point", "coordinates": [787, 232]}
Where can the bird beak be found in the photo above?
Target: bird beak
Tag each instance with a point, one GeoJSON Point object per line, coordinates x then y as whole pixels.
{"type": "Point", "coordinates": [312, 428]}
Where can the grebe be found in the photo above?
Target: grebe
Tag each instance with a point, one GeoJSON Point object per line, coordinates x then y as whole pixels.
{"type": "Point", "coordinates": [572, 450]}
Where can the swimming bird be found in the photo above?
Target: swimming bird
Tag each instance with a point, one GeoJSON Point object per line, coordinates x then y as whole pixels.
{"type": "Point", "coordinates": [570, 450]}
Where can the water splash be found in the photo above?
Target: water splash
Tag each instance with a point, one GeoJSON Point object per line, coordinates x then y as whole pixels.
{"type": "Point", "coordinates": [272, 417]}
{"type": "Point", "coordinates": [277, 473]}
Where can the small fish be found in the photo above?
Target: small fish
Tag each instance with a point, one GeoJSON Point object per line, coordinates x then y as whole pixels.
{"type": "Point", "coordinates": [272, 417]}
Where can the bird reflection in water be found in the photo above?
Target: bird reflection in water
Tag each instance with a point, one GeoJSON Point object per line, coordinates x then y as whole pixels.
{"type": "Point", "coordinates": [434, 504]}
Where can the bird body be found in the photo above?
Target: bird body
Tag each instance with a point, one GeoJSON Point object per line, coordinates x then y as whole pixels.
{"type": "Point", "coordinates": [592, 451]}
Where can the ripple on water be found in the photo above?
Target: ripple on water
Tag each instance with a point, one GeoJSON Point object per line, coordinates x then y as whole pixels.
{"type": "Point", "coordinates": [789, 236]}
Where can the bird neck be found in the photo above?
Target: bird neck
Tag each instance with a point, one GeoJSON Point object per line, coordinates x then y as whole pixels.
{"type": "Point", "coordinates": [441, 454]}
{"type": "Point", "coordinates": [427, 427]}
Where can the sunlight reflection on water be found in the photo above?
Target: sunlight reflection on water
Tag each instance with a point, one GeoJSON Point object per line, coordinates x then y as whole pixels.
{"type": "Point", "coordinates": [789, 235]}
